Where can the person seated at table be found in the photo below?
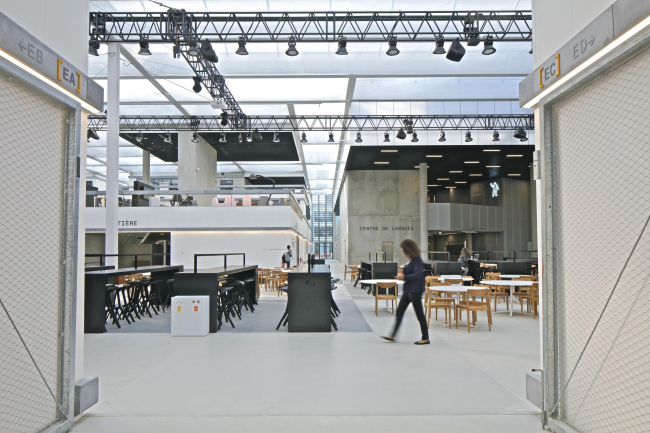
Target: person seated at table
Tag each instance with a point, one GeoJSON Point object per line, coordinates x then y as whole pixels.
{"type": "Point", "coordinates": [464, 260]}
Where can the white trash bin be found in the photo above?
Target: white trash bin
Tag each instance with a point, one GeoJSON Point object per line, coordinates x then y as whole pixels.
{"type": "Point", "coordinates": [190, 316]}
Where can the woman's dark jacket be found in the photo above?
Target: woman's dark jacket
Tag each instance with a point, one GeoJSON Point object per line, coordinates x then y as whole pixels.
{"type": "Point", "coordinates": [414, 276]}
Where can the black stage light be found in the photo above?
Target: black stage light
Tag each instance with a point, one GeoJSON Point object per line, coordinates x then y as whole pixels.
{"type": "Point", "coordinates": [303, 139]}
{"type": "Point", "coordinates": [257, 135]}
{"type": "Point", "coordinates": [242, 46]}
{"type": "Point", "coordinates": [144, 47]}
{"type": "Point", "coordinates": [168, 138]}
{"type": "Point", "coordinates": [471, 31]}
{"type": "Point", "coordinates": [531, 50]}
{"type": "Point", "coordinates": [409, 126]}
{"type": "Point", "coordinates": [521, 134]}
{"type": "Point", "coordinates": [249, 137]}
{"type": "Point", "coordinates": [392, 46]}
{"type": "Point", "coordinates": [192, 51]}
{"type": "Point", "coordinates": [276, 137]}
{"type": "Point", "coordinates": [240, 139]}
{"type": "Point", "coordinates": [93, 46]}
{"type": "Point", "coordinates": [440, 46]}
{"type": "Point", "coordinates": [292, 51]}
{"type": "Point", "coordinates": [207, 52]}
{"type": "Point", "coordinates": [468, 137]}
{"type": "Point", "coordinates": [456, 51]}
{"type": "Point", "coordinates": [415, 138]}
{"type": "Point", "coordinates": [92, 134]}
{"type": "Point", "coordinates": [442, 138]}
{"type": "Point", "coordinates": [197, 84]}
{"type": "Point", "coordinates": [488, 46]}
{"type": "Point", "coordinates": [331, 138]}
{"type": "Point", "coordinates": [401, 134]}
{"type": "Point", "coordinates": [495, 136]}
{"type": "Point", "coordinates": [343, 42]}
{"type": "Point", "coordinates": [223, 138]}
{"type": "Point", "coordinates": [358, 140]}
{"type": "Point", "coordinates": [139, 137]}
{"type": "Point", "coordinates": [386, 137]}
{"type": "Point", "coordinates": [195, 137]}
{"type": "Point", "coordinates": [224, 118]}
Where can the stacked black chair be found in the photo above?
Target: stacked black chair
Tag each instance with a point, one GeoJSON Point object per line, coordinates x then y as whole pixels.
{"type": "Point", "coordinates": [227, 308]}
{"type": "Point", "coordinates": [111, 310]}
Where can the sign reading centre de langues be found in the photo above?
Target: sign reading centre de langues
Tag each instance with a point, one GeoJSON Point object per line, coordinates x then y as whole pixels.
{"type": "Point", "coordinates": [384, 228]}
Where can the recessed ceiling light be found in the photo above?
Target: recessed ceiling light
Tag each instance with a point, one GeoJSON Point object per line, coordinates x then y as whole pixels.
{"type": "Point", "coordinates": [433, 185]}
{"type": "Point", "coordinates": [514, 156]}
{"type": "Point", "coordinates": [461, 181]}
{"type": "Point", "coordinates": [471, 162]}
{"type": "Point", "coordinates": [514, 174]}
{"type": "Point", "coordinates": [469, 231]}
{"type": "Point", "coordinates": [475, 174]}
{"type": "Point", "coordinates": [382, 162]}
{"type": "Point", "coordinates": [417, 166]}
{"type": "Point", "coordinates": [456, 171]}
{"type": "Point", "coordinates": [450, 187]}
{"type": "Point", "coordinates": [491, 150]}
{"type": "Point", "coordinates": [443, 178]}
{"type": "Point", "coordinates": [434, 156]}
{"type": "Point", "coordinates": [493, 166]}
{"type": "Point", "coordinates": [389, 151]}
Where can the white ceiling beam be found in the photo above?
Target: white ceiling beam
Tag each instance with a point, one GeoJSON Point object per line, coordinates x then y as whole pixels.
{"type": "Point", "coordinates": [348, 96]}
{"type": "Point", "coordinates": [301, 154]}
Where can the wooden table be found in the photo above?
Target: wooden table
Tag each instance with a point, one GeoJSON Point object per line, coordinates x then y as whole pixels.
{"type": "Point", "coordinates": [373, 282]}
{"type": "Point", "coordinates": [511, 283]}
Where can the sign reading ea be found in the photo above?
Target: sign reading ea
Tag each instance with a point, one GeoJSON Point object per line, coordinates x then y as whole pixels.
{"type": "Point", "coordinates": [65, 74]}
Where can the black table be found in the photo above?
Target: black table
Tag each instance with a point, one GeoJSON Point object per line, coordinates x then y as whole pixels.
{"type": "Point", "coordinates": [95, 291]}
{"type": "Point", "coordinates": [205, 282]}
{"type": "Point", "coordinates": [97, 268]}
{"type": "Point", "coordinates": [310, 299]}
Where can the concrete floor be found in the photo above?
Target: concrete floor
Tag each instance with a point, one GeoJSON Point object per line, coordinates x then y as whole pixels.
{"type": "Point", "coordinates": [345, 382]}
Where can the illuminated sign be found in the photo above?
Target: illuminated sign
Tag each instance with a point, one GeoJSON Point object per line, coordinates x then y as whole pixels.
{"type": "Point", "coordinates": [495, 189]}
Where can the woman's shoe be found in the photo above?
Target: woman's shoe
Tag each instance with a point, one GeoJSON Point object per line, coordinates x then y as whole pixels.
{"type": "Point", "coordinates": [391, 339]}
{"type": "Point", "coordinates": [422, 342]}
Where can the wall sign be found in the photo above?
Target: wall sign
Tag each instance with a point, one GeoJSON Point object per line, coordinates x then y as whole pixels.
{"type": "Point", "coordinates": [127, 223]}
{"type": "Point", "coordinates": [384, 228]}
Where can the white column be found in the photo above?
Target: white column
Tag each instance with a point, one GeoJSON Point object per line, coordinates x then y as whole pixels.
{"type": "Point", "coordinates": [146, 166]}
{"type": "Point", "coordinates": [424, 215]}
{"type": "Point", "coordinates": [197, 166]}
{"type": "Point", "coordinates": [112, 149]}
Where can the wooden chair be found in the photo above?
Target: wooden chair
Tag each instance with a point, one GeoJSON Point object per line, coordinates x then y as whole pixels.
{"type": "Point", "coordinates": [282, 281]}
{"type": "Point", "coordinates": [435, 299]}
{"type": "Point", "coordinates": [528, 278]}
{"type": "Point", "coordinates": [262, 278]}
{"type": "Point", "coordinates": [475, 305]}
{"type": "Point", "coordinates": [346, 272]}
{"type": "Point", "coordinates": [498, 292]}
{"type": "Point", "coordinates": [392, 297]}
{"type": "Point", "coordinates": [531, 297]}
{"type": "Point", "coordinates": [355, 272]}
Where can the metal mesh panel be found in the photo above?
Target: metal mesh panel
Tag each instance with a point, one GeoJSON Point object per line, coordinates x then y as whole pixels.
{"type": "Point", "coordinates": [32, 137]}
{"type": "Point", "coordinates": [601, 201]}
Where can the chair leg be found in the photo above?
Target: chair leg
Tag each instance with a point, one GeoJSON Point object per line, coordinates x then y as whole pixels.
{"type": "Point", "coordinates": [489, 314]}
{"type": "Point", "coordinates": [376, 312]}
{"type": "Point", "coordinates": [286, 313]}
{"type": "Point", "coordinates": [456, 317]}
{"type": "Point", "coordinates": [468, 320]}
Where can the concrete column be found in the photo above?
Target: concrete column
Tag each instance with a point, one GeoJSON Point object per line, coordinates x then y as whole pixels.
{"type": "Point", "coordinates": [197, 166]}
{"type": "Point", "coordinates": [424, 214]}
{"type": "Point", "coordinates": [146, 166]}
{"type": "Point", "coordinates": [112, 149]}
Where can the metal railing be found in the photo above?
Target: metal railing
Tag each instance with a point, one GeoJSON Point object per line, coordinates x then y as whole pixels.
{"type": "Point", "coordinates": [225, 258]}
{"type": "Point", "coordinates": [102, 257]}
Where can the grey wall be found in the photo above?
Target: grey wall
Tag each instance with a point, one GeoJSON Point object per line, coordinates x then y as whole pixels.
{"type": "Point", "coordinates": [379, 205]}
{"type": "Point", "coordinates": [452, 196]}
{"type": "Point", "coordinates": [197, 166]}
{"type": "Point", "coordinates": [516, 209]}
{"type": "Point", "coordinates": [481, 193]}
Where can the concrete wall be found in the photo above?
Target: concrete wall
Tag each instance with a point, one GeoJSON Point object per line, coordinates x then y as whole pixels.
{"type": "Point", "coordinates": [382, 206]}
{"type": "Point", "coordinates": [452, 196]}
{"type": "Point", "coordinates": [197, 166]}
{"type": "Point", "coordinates": [343, 224]}
{"type": "Point", "coordinates": [517, 218]}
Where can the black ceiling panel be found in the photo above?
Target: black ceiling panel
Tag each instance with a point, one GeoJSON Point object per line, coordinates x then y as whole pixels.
{"type": "Point", "coordinates": [453, 158]}
{"type": "Point", "coordinates": [155, 143]}
{"type": "Point", "coordinates": [264, 150]}
{"type": "Point", "coordinates": [295, 180]}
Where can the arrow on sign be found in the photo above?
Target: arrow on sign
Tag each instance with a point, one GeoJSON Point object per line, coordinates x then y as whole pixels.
{"type": "Point", "coordinates": [22, 46]}
{"type": "Point", "coordinates": [591, 41]}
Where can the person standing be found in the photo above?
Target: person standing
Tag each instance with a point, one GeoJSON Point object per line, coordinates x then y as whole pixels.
{"type": "Point", "coordinates": [464, 260]}
{"type": "Point", "coordinates": [413, 277]}
{"type": "Point", "coordinates": [287, 257]}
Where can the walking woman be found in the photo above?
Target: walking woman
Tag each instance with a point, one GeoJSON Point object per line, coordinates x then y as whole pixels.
{"type": "Point", "coordinates": [413, 277]}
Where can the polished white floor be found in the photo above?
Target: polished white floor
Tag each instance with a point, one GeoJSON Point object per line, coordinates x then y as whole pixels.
{"type": "Point", "coordinates": [344, 382]}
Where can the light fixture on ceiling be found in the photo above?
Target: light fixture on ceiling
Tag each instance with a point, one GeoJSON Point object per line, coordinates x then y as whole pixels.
{"type": "Point", "coordinates": [471, 30]}
{"type": "Point", "coordinates": [276, 137]}
{"type": "Point", "coordinates": [92, 134]}
{"type": "Point", "coordinates": [450, 187]}
{"type": "Point", "coordinates": [442, 137]}
{"type": "Point", "coordinates": [514, 156]}
{"type": "Point", "coordinates": [197, 84]}
{"type": "Point", "coordinates": [207, 52]}
{"type": "Point", "coordinates": [468, 137]}
{"type": "Point", "coordinates": [249, 137]}
{"type": "Point", "coordinates": [417, 166]}
{"type": "Point", "coordinates": [456, 51]}
{"type": "Point", "coordinates": [432, 186]}
{"type": "Point", "coordinates": [408, 123]}
{"type": "Point", "coordinates": [455, 171]}
{"type": "Point", "coordinates": [443, 178]}
{"type": "Point", "coordinates": [531, 50]}
{"type": "Point", "coordinates": [256, 135]}
{"type": "Point", "coordinates": [415, 138]}
{"type": "Point", "coordinates": [472, 162]}
{"type": "Point", "coordinates": [303, 138]}
{"type": "Point", "coordinates": [343, 43]}
{"type": "Point", "coordinates": [168, 138]}
{"type": "Point", "coordinates": [475, 174]}
{"type": "Point", "coordinates": [386, 137]}
{"type": "Point", "coordinates": [242, 46]}
{"type": "Point", "coordinates": [434, 156]}
{"type": "Point", "coordinates": [488, 46]}
{"type": "Point", "coordinates": [195, 137]}
{"type": "Point", "coordinates": [401, 134]}
{"type": "Point", "coordinates": [514, 174]}
{"type": "Point", "coordinates": [241, 138]}
{"type": "Point", "coordinates": [224, 118]}
{"type": "Point", "coordinates": [223, 138]}
{"type": "Point", "coordinates": [460, 181]}
{"type": "Point", "coordinates": [192, 51]}
{"type": "Point", "coordinates": [491, 150]}
{"type": "Point", "coordinates": [392, 46]}
{"type": "Point", "coordinates": [440, 46]}
{"type": "Point", "coordinates": [382, 162]}
{"type": "Point", "coordinates": [144, 47]}
{"type": "Point", "coordinates": [493, 166]}
{"type": "Point", "coordinates": [93, 46]}
{"type": "Point", "coordinates": [331, 137]}
{"type": "Point", "coordinates": [495, 136]}
{"type": "Point", "coordinates": [521, 134]}
{"type": "Point", "coordinates": [139, 137]}
{"type": "Point", "coordinates": [291, 51]}
{"type": "Point", "coordinates": [389, 151]}
{"type": "Point", "coordinates": [358, 140]}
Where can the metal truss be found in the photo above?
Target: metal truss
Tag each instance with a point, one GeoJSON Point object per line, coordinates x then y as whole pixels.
{"type": "Point", "coordinates": [322, 123]}
{"type": "Point", "coordinates": [513, 26]}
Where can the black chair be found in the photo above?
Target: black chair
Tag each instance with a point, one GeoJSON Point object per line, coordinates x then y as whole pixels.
{"type": "Point", "coordinates": [226, 308]}
{"type": "Point", "coordinates": [111, 310]}
{"type": "Point", "coordinates": [251, 287]}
